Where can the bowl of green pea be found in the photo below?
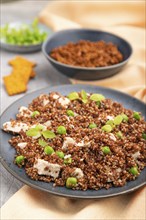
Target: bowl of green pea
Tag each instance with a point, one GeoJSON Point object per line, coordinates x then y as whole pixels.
{"type": "Point", "coordinates": [23, 37]}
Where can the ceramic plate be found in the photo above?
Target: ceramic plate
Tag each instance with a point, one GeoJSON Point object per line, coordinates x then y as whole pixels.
{"type": "Point", "coordinates": [7, 152]}
{"type": "Point", "coordinates": [24, 48]}
{"type": "Point", "coordinates": [61, 38]}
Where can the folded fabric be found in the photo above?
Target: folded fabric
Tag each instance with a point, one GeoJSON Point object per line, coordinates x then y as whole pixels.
{"type": "Point", "coordinates": [125, 19]}
{"type": "Point", "coordinates": [94, 14]}
{"type": "Point", "coordinates": [30, 203]}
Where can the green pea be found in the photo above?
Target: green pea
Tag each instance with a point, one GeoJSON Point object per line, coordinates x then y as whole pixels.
{"type": "Point", "coordinates": [119, 134]}
{"type": "Point", "coordinates": [144, 136]}
{"type": "Point", "coordinates": [68, 160]}
{"type": "Point", "coordinates": [106, 150]}
{"type": "Point", "coordinates": [60, 154]}
{"type": "Point", "coordinates": [118, 119]}
{"type": "Point", "coordinates": [92, 125]}
{"type": "Point", "coordinates": [61, 130]}
{"type": "Point", "coordinates": [48, 150]}
{"type": "Point", "coordinates": [136, 115]}
{"type": "Point", "coordinates": [19, 159]}
{"type": "Point", "coordinates": [35, 113]}
{"type": "Point", "coordinates": [71, 182]}
{"type": "Point", "coordinates": [70, 113]}
{"type": "Point", "coordinates": [107, 128]}
{"type": "Point", "coordinates": [134, 170]}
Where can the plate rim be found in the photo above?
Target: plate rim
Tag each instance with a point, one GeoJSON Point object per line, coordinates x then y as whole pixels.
{"type": "Point", "coordinates": [66, 85]}
{"type": "Point", "coordinates": [67, 195]}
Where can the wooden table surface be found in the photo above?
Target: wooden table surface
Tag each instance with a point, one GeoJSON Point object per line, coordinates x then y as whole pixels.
{"type": "Point", "coordinates": [46, 76]}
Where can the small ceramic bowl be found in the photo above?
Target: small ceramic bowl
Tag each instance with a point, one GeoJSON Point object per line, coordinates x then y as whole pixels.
{"type": "Point", "coordinates": [84, 73]}
{"type": "Point", "coordinates": [23, 48]}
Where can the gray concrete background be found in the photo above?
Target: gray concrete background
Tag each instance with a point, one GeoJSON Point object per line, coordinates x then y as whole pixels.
{"type": "Point", "coordinates": [46, 75]}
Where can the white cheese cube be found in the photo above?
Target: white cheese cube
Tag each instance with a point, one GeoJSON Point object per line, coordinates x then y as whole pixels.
{"type": "Point", "coordinates": [112, 137]}
{"type": "Point", "coordinates": [67, 141]}
{"type": "Point", "coordinates": [109, 117]}
{"type": "Point", "coordinates": [55, 96]}
{"type": "Point", "coordinates": [15, 127]}
{"type": "Point", "coordinates": [78, 173]}
{"type": "Point", "coordinates": [64, 101]}
{"type": "Point", "coordinates": [46, 168]}
{"type": "Point", "coordinates": [47, 123]}
{"type": "Point", "coordinates": [24, 111]}
{"type": "Point", "coordinates": [22, 145]}
{"type": "Point", "coordinates": [83, 144]}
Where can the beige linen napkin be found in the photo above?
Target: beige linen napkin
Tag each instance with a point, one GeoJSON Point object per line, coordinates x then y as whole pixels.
{"type": "Point", "coordinates": [127, 20]}
{"type": "Point", "coordinates": [29, 203]}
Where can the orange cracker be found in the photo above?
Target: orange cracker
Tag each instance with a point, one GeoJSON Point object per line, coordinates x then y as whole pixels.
{"type": "Point", "coordinates": [21, 61]}
{"type": "Point", "coordinates": [14, 85]}
{"type": "Point", "coordinates": [23, 72]}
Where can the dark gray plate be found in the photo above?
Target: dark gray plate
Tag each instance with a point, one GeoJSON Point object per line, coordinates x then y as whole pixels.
{"type": "Point", "coordinates": [7, 152]}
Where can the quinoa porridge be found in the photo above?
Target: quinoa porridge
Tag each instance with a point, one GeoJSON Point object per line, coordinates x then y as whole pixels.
{"type": "Point", "coordinates": [81, 141]}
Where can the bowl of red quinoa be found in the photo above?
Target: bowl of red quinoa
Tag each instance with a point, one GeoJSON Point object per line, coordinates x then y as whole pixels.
{"type": "Point", "coordinates": [87, 54]}
{"type": "Point", "coordinates": [76, 141]}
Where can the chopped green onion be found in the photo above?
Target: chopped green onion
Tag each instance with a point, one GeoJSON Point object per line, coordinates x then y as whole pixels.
{"type": "Point", "coordinates": [107, 128]}
{"type": "Point", "coordinates": [35, 113]}
{"type": "Point", "coordinates": [73, 95]}
{"type": "Point", "coordinates": [118, 119]}
{"type": "Point", "coordinates": [134, 170]}
{"type": "Point", "coordinates": [60, 154]}
{"type": "Point", "coordinates": [119, 134]}
{"type": "Point", "coordinates": [48, 150]}
{"type": "Point", "coordinates": [48, 134]}
{"type": "Point", "coordinates": [136, 115]}
{"type": "Point", "coordinates": [61, 130]}
{"type": "Point", "coordinates": [106, 150]}
{"type": "Point", "coordinates": [144, 136]}
{"type": "Point", "coordinates": [97, 97]}
{"type": "Point", "coordinates": [92, 125]}
{"type": "Point", "coordinates": [71, 182]}
{"type": "Point", "coordinates": [25, 34]}
{"type": "Point", "coordinates": [42, 143]}
{"type": "Point", "coordinates": [19, 159]}
{"type": "Point", "coordinates": [70, 113]}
